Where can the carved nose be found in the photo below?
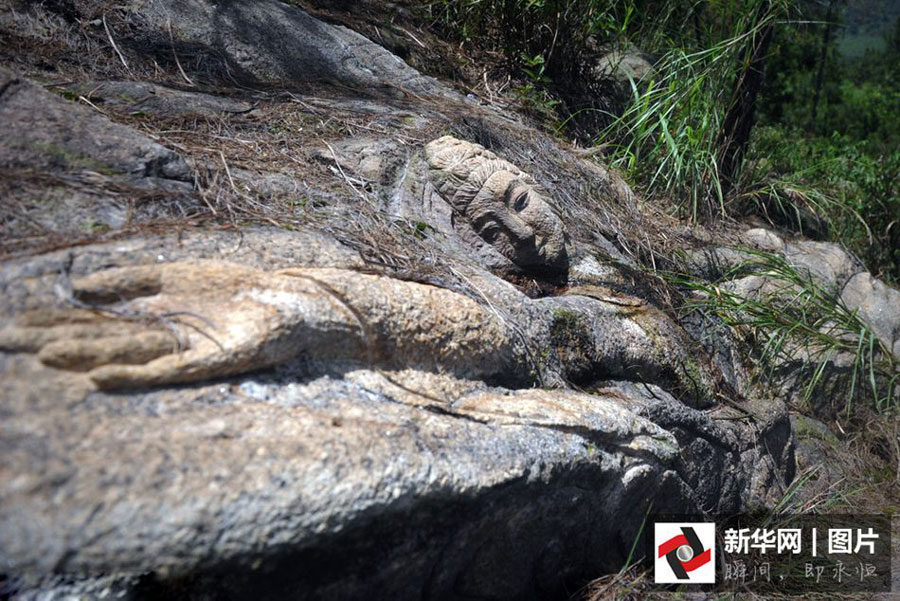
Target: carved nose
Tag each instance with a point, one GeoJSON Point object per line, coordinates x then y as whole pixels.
{"type": "Point", "coordinates": [520, 234]}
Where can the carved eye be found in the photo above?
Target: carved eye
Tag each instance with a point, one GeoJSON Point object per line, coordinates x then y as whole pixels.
{"type": "Point", "coordinates": [521, 202]}
{"type": "Point", "coordinates": [490, 234]}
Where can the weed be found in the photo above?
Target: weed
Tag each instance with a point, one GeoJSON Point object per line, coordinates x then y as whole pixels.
{"type": "Point", "coordinates": [534, 92]}
{"type": "Point", "coordinates": [97, 228]}
{"type": "Point", "coordinates": [573, 345]}
{"type": "Point", "coordinates": [565, 320]}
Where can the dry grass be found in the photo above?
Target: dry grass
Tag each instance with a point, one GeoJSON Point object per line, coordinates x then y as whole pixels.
{"type": "Point", "coordinates": [632, 584]}
{"type": "Point", "coordinates": [867, 462]}
{"type": "Point", "coordinates": [27, 230]}
{"type": "Point", "coordinates": [280, 137]}
{"type": "Point", "coordinates": [276, 137]}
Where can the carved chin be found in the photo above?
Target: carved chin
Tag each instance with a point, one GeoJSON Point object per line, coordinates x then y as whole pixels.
{"type": "Point", "coordinates": [549, 256]}
{"type": "Point", "coordinates": [556, 261]}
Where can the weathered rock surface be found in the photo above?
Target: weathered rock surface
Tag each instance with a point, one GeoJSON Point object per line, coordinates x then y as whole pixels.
{"type": "Point", "coordinates": [763, 239]}
{"type": "Point", "coordinates": [276, 43]}
{"type": "Point", "coordinates": [46, 132]}
{"type": "Point", "coordinates": [71, 170]}
{"type": "Point", "coordinates": [230, 486]}
{"type": "Point", "coordinates": [268, 486]}
{"type": "Point", "coordinates": [626, 66]}
{"type": "Point", "coordinates": [827, 265]}
{"type": "Point", "coordinates": [878, 305]}
{"type": "Point", "coordinates": [139, 97]}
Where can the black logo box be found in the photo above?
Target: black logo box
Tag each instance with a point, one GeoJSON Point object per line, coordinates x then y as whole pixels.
{"type": "Point", "coordinates": [789, 573]}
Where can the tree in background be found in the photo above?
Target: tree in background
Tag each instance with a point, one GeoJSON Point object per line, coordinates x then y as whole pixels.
{"type": "Point", "coordinates": [827, 39]}
{"type": "Point", "coordinates": [740, 115]}
{"type": "Point", "coordinates": [847, 159]}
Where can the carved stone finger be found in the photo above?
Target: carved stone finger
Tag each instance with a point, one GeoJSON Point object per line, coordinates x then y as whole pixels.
{"type": "Point", "coordinates": [116, 285]}
{"type": "Point", "coordinates": [192, 366]}
{"type": "Point", "coordinates": [84, 355]}
{"type": "Point", "coordinates": [32, 339]}
{"type": "Point", "coordinates": [22, 340]}
{"type": "Point", "coordinates": [43, 318]}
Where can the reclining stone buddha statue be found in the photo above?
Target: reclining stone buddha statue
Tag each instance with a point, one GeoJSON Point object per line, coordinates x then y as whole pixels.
{"type": "Point", "coordinates": [188, 321]}
{"type": "Point", "coordinates": [504, 205]}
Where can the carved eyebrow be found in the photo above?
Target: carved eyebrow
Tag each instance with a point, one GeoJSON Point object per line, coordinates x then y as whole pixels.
{"type": "Point", "coordinates": [514, 187]}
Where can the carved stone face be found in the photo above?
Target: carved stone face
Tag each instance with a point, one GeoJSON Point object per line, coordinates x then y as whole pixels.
{"type": "Point", "coordinates": [503, 205]}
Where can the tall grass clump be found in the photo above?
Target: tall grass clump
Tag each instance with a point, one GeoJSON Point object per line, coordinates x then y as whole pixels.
{"type": "Point", "coordinates": [680, 137]}
{"type": "Point", "coordinates": [791, 316]}
{"type": "Point", "coordinates": [667, 138]}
